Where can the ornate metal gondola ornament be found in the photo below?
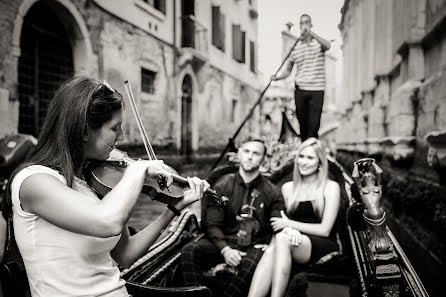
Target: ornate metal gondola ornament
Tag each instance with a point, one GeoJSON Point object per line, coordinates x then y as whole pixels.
{"type": "Point", "coordinates": [367, 176]}
{"type": "Point", "coordinates": [384, 263]}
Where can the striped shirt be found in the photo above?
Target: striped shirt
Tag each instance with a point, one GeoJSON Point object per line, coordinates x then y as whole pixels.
{"type": "Point", "coordinates": [310, 61]}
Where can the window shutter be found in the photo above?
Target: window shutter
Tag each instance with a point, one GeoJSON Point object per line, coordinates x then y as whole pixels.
{"type": "Point", "coordinates": [252, 56]}
{"type": "Point", "coordinates": [222, 32]}
{"type": "Point", "coordinates": [215, 25]}
{"type": "Point", "coordinates": [243, 47]}
{"type": "Point", "coordinates": [236, 46]}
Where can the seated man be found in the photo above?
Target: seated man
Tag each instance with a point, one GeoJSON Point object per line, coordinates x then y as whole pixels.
{"type": "Point", "coordinates": [233, 232]}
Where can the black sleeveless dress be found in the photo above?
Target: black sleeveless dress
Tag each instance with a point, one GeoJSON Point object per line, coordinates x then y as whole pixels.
{"type": "Point", "coordinates": [320, 246]}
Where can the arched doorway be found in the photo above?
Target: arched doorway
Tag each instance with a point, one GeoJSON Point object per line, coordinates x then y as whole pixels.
{"type": "Point", "coordinates": [45, 61]}
{"type": "Point", "coordinates": [186, 116]}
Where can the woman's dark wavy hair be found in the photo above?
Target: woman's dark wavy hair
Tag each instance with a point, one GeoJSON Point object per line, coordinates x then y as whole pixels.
{"type": "Point", "coordinates": [80, 105]}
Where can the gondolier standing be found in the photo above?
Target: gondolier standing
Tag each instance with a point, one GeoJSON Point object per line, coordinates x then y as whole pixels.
{"type": "Point", "coordinates": [309, 57]}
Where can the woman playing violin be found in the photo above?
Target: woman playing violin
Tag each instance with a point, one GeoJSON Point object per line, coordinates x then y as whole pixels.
{"type": "Point", "coordinates": [71, 241]}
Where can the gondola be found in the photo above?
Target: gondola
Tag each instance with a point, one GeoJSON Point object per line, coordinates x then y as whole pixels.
{"type": "Point", "coordinates": [358, 269]}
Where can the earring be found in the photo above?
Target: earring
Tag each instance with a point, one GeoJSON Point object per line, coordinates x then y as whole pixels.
{"type": "Point", "coordinates": [85, 139]}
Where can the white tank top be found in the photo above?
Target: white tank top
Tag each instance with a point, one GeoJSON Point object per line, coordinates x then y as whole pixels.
{"type": "Point", "coordinates": [59, 262]}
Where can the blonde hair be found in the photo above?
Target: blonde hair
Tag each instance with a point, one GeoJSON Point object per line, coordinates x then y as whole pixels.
{"type": "Point", "coordinates": [315, 192]}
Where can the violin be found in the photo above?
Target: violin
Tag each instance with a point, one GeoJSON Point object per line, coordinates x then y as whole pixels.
{"type": "Point", "coordinates": [102, 176]}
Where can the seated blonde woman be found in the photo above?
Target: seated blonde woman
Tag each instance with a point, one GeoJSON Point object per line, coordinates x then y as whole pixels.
{"type": "Point", "coordinates": [306, 232]}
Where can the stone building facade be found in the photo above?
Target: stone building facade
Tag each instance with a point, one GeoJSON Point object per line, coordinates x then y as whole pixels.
{"type": "Point", "coordinates": [394, 65]}
{"type": "Point", "coordinates": [393, 108]}
{"type": "Point", "coordinates": [192, 64]}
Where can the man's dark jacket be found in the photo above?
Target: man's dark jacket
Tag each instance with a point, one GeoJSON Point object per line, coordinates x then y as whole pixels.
{"type": "Point", "coordinates": [221, 226]}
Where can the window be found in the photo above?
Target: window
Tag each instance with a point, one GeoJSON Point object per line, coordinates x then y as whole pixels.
{"type": "Point", "coordinates": [233, 110]}
{"type": "Point", "coordinates": [148, 81]}
{"type": "Point", "coordinates": [218, 28]}
{"type": "Point", "coordinates": [252, 56]}
{"type": "Point", "coordinates": [238, 44]}
{"type": "Point", "coordinates": [243, 43]}
{"type": "Point", "coordinates": [158, 5]}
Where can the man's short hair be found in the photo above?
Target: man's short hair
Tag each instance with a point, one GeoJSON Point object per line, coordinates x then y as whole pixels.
{"type": "Point", "coordinates": [306, 16]}
{"type": "Point", "coordinates": [254, 138]}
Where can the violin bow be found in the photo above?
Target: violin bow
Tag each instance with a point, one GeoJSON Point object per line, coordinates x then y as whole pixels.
{"type": "Point", "coordinates": [147, 145]}
{"type": "Point", "coordinates": [149, 150]}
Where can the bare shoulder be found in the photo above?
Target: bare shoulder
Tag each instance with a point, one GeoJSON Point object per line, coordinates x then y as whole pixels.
{"type": "Point", "coordinates": [332, 187]}
{"type": "Point", "coordinates": [36, 187]}
{"type": "Point", "coordinates": [39, 179]}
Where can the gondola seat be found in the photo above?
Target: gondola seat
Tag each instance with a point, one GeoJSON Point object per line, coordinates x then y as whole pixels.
{"type": "Point", "coordinates": [158, 272]}
{"type": "Point", "coordinates": [13, 280]}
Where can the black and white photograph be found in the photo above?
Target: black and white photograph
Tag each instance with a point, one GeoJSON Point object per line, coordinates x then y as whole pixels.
{"type": "Point", "coordinates": [222, 148]}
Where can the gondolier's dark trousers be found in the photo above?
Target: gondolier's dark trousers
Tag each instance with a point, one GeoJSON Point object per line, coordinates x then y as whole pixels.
{"type": "Point", "coordinates": [203, 255]}
{"type": "Point", "coordinates": [308, 111]}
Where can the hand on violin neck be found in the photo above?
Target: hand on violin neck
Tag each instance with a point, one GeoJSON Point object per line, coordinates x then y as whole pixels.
{"type": "Point", "coordinates": [157, 168]}
{"type": "Point", "coordinates": [195, 192]}
{"type": "Point", "coordinates": [143, 169]}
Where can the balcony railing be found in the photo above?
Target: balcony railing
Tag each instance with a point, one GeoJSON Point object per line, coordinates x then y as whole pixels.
{"type": "Point", "coordinates": [194, 35]}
